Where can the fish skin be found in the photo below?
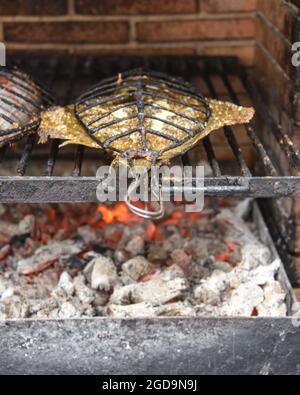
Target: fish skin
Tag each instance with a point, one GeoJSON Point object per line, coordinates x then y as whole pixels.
{"type": "Point", "coordinates": [61, 123]}
{"type": "Point", "coordinates": [15, 85]}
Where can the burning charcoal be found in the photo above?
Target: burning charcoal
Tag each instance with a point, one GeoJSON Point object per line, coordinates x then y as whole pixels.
{"type": "Point", "coordinates": [66, 283]}
{"type": "Point", "coordinates": [25, 226]}
{"type": "Point", "coordinates": [121, 256]}
{"type": "Point", "coordinates": [104, 274]}
{"type": "Point", "coordinates": [172, 243]}
{"type": "Point", "coordinates": [75, 263]}
{"type": "Point", "coordinates": [156, 292]}
{"type": "Point", "coordinates": [181, 259]}
{"type": "Point", "coordinates": [198, 248]}
{"type": "Point", "coordinates": [156, 252]}
{"type": "Point", "coordinates": [136, 267]}
{"type": "Point", "coordinates": [84, 293]}
{"type": "Point", "coordinates": [244, 300]}
{"type": "Point", "coordinates": [223, 266]}
{"type": "Point", "coordinates": [135, 246]}
{"type": "Point", "coordinates": [254, 255]}
{"type": "Point", "coordinates": [87, 234]}
{"type": "Point", "coordinates": [99, 249]}
{"type": "Point", "coordinates": [274, 301]}
{"type": "Point", "coordinates": [45, 256]}
{"type": "Point", "coordinates": [139, 310]}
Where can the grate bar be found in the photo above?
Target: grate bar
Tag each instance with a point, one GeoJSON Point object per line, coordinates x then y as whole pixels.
{"type": "Point", "coordinates": [268, 165]}
{"type": "Point", "coordinates": [23, 163]}
{"type": "Point", "coordinates": [79, 154]}
{"type": "Point", "coordinates": [236, 149]}
{"type": "Point", "coordinates": [52, 157]}
{"type": "Point", "coordinates": [3, 151]}
{"type": "Point", "coordinates": [211, 157]}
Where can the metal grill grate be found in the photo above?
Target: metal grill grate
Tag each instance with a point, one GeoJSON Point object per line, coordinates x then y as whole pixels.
{"type": "Point", "coordinates": [21, 96]}
{"type": "Point", "coordinates": [134, 91]}
{"type": "Point", "coordinates": [46, 173]}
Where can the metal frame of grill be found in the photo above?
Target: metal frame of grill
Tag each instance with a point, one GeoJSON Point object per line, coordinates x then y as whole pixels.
{"type": "Point", "coordinates": [24, 90]}
{"type": "Point", "coordinates": [77, 188]}
{"type": "Point", "coordinates": [141, 85]}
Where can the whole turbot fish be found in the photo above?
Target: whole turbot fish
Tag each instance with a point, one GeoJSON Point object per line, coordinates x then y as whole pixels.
{"type": "Point", "coordinates": [144, 117]}
{"type": "Point", "coordinates": [21, 102]}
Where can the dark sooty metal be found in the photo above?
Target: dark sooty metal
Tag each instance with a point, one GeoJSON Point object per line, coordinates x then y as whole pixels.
{"type": "Point", "coordinates": [140, 86]}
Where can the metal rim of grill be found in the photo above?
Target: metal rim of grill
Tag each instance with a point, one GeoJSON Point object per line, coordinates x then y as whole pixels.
{"type": "Point", "coordinates": [142, 84]}
{"type": "Point", "coordinates": [27, 91]}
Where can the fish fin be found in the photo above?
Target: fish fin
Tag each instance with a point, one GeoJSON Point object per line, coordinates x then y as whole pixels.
{"type": "Point", "coordinates": [61, 123]}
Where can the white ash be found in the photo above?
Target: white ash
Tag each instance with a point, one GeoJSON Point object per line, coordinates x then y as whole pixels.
{"type": "Point", "coordinates": [136, 267]}
{"type": "Point", "coordinates": [66, 284]}
{"type": "Point", "coordinates": [211, 266]}
{"type": "Point", "coordinates": [85, 294]}
{"type": "Point", "coordinates": [155, 292]}
{"type": "Point", "coordinates": [104, 274]}
{"type": "Point", "coordinates": [136, 246]}
{"type": "Point", "coordinates": [144, 310]}
{"type": "Point", "coordinates": [25, 226]}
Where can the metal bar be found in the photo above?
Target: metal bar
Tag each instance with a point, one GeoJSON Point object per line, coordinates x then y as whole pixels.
{"type": "Point", "coordinates": [211, 157]}
{"type": "Point", "coordinates": [78, 161]}
{"type": "Point", "coordinates": [23, 163]}
{"type": "Point", "coordinates": [269, 166]}
{"type": "Point", "coordinates": [3, 151]}
{"type": "Point", "coordinates": [74, 189]}
{"type": "Point", "coordinates": [52, 157]}
{"type": "Point", "coordinates": [236, 149]}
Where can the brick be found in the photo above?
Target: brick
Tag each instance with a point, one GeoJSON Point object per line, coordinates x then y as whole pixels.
{"type": "Point", "coordinates": [195, 30]}
{"type": "Point", "coordinates": [33, 7]}
{"type": "Point", "coordinates": [67, 32]}
{"type": "Point", "coordinates": [215, 6]}
{"type": "Point", "coordinates": [134, 7]}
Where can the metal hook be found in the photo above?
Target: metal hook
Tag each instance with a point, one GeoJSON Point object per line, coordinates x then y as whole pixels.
{"type": "Point", "coordinates": [145, 213]}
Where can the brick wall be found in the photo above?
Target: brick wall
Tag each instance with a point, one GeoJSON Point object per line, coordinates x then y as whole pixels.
{"type": "Point", "coordinates": [131, 26]}
{"type": "Point", "coordinates": [277, 28]}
